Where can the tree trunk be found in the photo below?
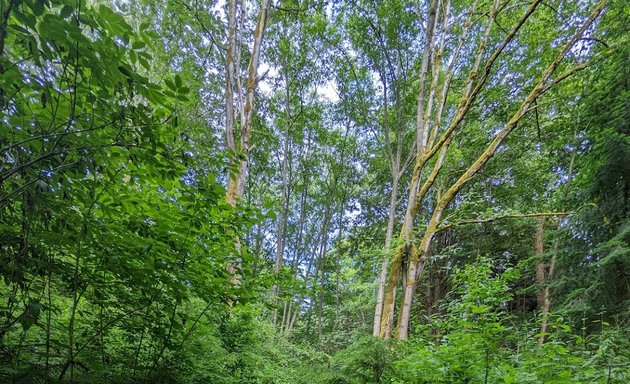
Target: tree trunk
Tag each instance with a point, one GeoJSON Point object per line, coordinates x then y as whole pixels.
{"type": "Point", "coordinates": [402, 252]}
{"type": "Point", "coordinates": [321, 262]}
{"type": "Point", "coordinates": [416, 266]}
{"type": "Point", "coordinates": [229, 79]}
{"type": "Point", "coordinates": [546, 299]}
{"type": "Point", "coordinates": [236, 180]}
{"type": "Point", "coordinates": [284, 202]}
{"type": "Point", "coordinates": [396, 172]}
{"type": "Point", "coordinates": [546, 294]}
{"type": "Point", "coordinates": [541, 290]}
{"type": "Point", "coordinates": [380, 298]}
{"type": "Point", "coordinates": [540, 262]}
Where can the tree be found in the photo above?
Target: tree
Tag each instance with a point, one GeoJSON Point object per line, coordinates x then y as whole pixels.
{"type": "Point", "coordinates": [408, 252]}
{"type": "Point", "coordinates": [246, 111]}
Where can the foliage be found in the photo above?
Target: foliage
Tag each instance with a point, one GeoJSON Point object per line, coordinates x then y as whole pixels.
{"type": "Point", "coordinates": [594, 272]}
{"type": "Point", "coordinates": [113, 250]}
{"type": "Point", "coordinates": [364, 361]}
{"type": "Point", "coordinates": [122, 262]}
{"type": "Point", "coordinates": [475, 340]}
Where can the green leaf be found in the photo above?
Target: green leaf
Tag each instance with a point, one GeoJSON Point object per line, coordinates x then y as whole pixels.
{"type": "Point", "coordinates": [20, 29]}
{"type": "Point", "coordinates": [170, 84]}
{"type": "Point", "coordinates": [37, 6]}
{"type": "Point", "coordinates": [26, 18]}
{"type": "Point", "coordinates": [66, 11]}
{"type": "Point", "coordinates": [125, 71]}
{"type": "Point", "coordinates": [144, 62]}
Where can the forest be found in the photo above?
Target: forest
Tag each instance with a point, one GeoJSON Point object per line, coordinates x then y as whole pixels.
{"type": "Point", "coordinates": [314, 191]}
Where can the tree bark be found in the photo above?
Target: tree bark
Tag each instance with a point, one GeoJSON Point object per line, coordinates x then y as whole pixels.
{"type": "Point", "coordinates": [539, 251]}
{"type": "Point", "coordinates": [236, 180]}
{"type": "Point", "coordinates": [402, 252]}
{"type": "Point", "coordinates": [396, 173]}
{"type": "Point", "coordinates": [416, 194]}
{"type": "Point", "coordinates": [229, 78]}
{"type": "Point", "coordinates": [282, 217]}
{"type": "Point", "coordinates": [380, 298]}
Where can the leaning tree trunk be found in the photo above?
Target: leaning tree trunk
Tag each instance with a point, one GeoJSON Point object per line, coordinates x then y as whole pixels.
{"type": "Point", "coordinates": [544, 83]}
{"type": "Point", "coordinates": [406, 247]}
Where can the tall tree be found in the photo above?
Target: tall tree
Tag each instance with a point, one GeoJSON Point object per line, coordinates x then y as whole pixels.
{"type": "Point", "coordinates": [410, 255]}
{"type": "Point", "coordinates": [236, 181]}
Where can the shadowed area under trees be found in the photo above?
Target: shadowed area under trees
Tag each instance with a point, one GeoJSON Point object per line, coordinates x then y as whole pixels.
{"type": "Point", "coordinates": [314, 191]}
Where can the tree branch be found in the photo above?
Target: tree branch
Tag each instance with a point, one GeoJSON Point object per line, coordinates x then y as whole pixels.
{"type": "Point", "coordinates": [510, 216]}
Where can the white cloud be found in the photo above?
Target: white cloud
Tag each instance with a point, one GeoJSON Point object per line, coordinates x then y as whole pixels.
{"type": "Point", "coordinates": [328, 91]}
